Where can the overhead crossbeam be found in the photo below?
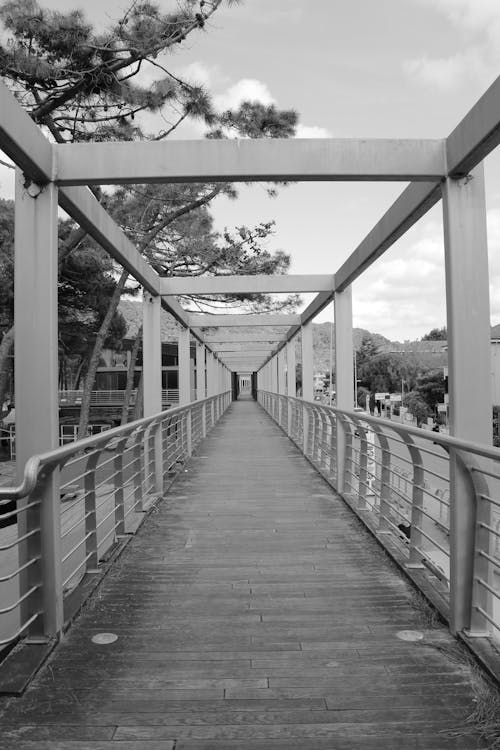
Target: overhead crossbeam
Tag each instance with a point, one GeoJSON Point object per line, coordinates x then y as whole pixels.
{"type": "Point", "coordinates": [85, 209]}
{"type": "Point", "coordinates": [241, 337]}
{"type": "Point", "coordinates": [226, 349]}
{"type": "Point", "coordinates": [265, 319]}
{"type": "Point", "coordinates": [476, 135]}
{"type": "Point", "coordinates": [210, 160]}
{"type": "Point", "coordinates": [23, 141]}
{"type": "Point", "coordinates": [258, 284]}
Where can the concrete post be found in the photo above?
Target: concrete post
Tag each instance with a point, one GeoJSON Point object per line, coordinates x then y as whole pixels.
{"type": "Point", "coordinates": [281, 371]}
{"type": "Point", "coordinates": [151, 373]}
{"type": "Point", "coordinates": [200, 371]}
{"type": "Point", "coordinates": [307, 379]}
{"type": "Point", "coordinates": [469, 386]}
{"type": "Point", "coordinates": [184, 343]}
{"type": "Point", "coordinates": [291, 367]}
{"type": "Point", "coordinates": [291, 382]}
{"type": "Point", "coordinates": [344, 372]}
{"type": "Point", "coordinates": [36, 397]}
{"type": "Point", "coordinates": [307, 363]}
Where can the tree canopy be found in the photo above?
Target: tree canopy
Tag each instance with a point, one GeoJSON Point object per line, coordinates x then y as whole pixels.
{"type": "Point", "coordinates": [82, 84]}
{"type": "Point", "coordinates": [436, 334]}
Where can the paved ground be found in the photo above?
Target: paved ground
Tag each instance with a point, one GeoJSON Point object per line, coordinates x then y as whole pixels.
{"type": "Point", "coordinates": [252, 612]}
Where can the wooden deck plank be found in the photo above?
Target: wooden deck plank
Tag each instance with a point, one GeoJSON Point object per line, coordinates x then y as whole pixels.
{"type": "Point", "coordinates": [251, 613]}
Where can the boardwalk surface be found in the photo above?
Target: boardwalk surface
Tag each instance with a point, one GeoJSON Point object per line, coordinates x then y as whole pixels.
{"type": "Point", "coordinates": [252, 612]}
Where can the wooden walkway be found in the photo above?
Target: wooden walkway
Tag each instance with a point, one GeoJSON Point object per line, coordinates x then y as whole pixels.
{"type": "Point", "coordinates": [252, 612]}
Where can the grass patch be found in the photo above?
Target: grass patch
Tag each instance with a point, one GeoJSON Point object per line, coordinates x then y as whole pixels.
{"type": "Point", "coordinates": [428, 617]}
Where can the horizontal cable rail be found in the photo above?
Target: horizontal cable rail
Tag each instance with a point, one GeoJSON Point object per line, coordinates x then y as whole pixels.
{"type": "Point", "coordinates": [77, 501]}
{"type": "Point", "coordinates": [105, 397]}
{"type": "Point", "coordinates": [397, 479]}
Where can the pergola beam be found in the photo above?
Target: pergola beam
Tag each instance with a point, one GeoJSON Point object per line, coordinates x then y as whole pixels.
{"type": "Point", "coordinates": [85, 209]}
{"type": "Point", "coordinates": [241, 337]}
{"type": "Point", "coordinates": [476, 135]}
{"type": "Point", "coordinates": [23, 141]}
{"type": "Point", "coordinates": [258, 284]}
{"type": "Point", "coordinates": [250, 160]}
{"type": "Point", "coordinates": [236, 347]}
{"type": "Point", "coordinates": [266, 319]}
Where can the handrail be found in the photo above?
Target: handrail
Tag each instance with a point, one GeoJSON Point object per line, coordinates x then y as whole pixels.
{"type": "Point", "coordinates": [75, 501]}
{"type": "Point", "coordinates": [398, 479]}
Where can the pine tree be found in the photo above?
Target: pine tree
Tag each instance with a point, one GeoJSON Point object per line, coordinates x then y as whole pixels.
{"type": "Point", "coordinates": [81, 85]}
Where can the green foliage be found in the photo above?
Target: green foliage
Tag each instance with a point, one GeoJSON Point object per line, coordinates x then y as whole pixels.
{"type": "Point", "coordinates": [84, 289]}
{"type": "Point", "coordinates": [79, 82]}
{"type": "Point", "coordinates": [368, 348]}
{"type": "Point", "coordinates": [431, 387]}
{"type": "Point", "coordinates": [384, 372]}
{"type": "Point", "coordinates": [6, 263]}
{"type": "Point", "coordinates": [256, 120]}
{"type": "Point", "coordinates": [417, 406]}
{"type": "Point", "coordinates": [361, 394]}
{"type": "Point", "coordinates": [436, 334]}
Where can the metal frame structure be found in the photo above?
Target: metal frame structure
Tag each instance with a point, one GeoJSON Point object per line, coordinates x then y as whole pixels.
{"type": "Point", "coordinates": [49, 175]}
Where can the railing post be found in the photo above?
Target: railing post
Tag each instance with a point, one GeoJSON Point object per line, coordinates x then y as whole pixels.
{"type": "Point", "coordinates": [91, 547]}
{"type": "Point", "coordinates": [344, 371]}
{"type": "Point", "coordinates": [151, 368]}
{"type": "Point", "coordinates": [417, 503]}
{"type": "Point", "coordinates": [385, 480]}
{"type": "Point", "coordinates": [469, 366]}
{"type": "Point", "coordinates": [363, 467]}
{"type": "Point", "coordinates": [37, 402]}
{"type": "Point", "coordinates": [137, 470]}
{"type": "Point", "coordinates": [119, 481]}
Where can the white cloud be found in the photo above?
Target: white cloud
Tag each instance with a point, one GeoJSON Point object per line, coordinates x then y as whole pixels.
{"type": "Point", "coordinates": [478, 22]}
{"type": "Point", "coordinates": [198, 73]}
{"type": "Point", "coordinates": [312, 131]}
{"type": "Point", "coordinates": [403, 294]}
{"type": "Point", "coordinates": [446, 73]}
{"type": "Point", "coordinates": [245, 90]}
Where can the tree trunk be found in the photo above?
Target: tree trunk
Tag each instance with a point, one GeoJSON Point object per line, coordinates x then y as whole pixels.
{"type": "Point", "coordinates": [96, 354]}
{"type": "Point", "coordinates": [113, 306]}
{"type": "Point", "coordinates": [5, 350]}
{"type": "Point", "coordinates": [139, 405]}
{"type": "Point", "coordinates": [130, 376]}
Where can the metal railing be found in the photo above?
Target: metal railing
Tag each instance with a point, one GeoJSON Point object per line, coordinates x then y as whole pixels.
{"type": "Point", "coordinates": [407, 485]}
{"type": "Point", "coordinates": [75, 502]}
{"type": "Point", "coordinates": [105, 398]}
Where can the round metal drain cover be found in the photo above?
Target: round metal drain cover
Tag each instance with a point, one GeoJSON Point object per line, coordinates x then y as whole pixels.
{"type": "Point", "coordinates": [409, 635]}
{"type": "Point", "coordinates": [104, 638]}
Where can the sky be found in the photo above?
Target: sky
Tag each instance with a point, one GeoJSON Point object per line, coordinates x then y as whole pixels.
{"type": "Point", "coordinates": [350, 68]}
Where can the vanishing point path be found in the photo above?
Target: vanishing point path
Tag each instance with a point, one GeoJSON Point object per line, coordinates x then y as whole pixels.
{"type": "Point", "coordinates": [253, 612]}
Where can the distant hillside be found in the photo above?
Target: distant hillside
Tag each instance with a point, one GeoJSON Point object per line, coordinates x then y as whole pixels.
{"type": "Point", "coordinates": [430, 353]}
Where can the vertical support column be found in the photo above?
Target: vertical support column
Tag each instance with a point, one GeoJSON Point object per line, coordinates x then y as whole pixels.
{"type": "Point", "coordinates": [211, 364]}
{"type": "Point", "coordinates": [344, 372]}
{"type": "Point", "coordinates": [282, 404]}
{"type": "Point", "coordinates": [151, 373]}
{"type": "Point", "coordinates": [200, 371]}
{"type": "Point", "coordinates": [469, 366]}
{"type": "Point", "coordinates": [291, 382]}
{"type": "Point", "coordinates": [281, 371]}
{"type": "Point", "coordinates": [36, 399]}
{"type": "Point", "coordinates": [184, 344]}
{"type": "Point", "coordinates": [307, 378]}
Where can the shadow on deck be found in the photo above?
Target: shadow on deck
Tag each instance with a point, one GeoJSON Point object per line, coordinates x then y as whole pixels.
{"type": "Point", "coordinates": [252, 610]}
